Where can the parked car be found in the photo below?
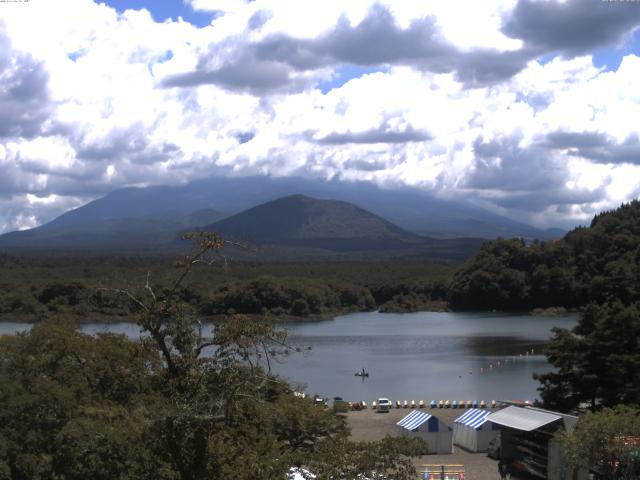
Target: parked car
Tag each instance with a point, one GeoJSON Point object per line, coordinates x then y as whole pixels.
{"type": "Point", "coordinates": [384, 404]}
{"type": "Point", "coordinates": [338, 401]}
{"type": "Point", "coordinates": [493, 450]}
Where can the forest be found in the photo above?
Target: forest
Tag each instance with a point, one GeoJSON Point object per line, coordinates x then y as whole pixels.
{"type": "Point", "coordinates": [33, 288]}
{"type": "Point", "coordinates": [599, 263]}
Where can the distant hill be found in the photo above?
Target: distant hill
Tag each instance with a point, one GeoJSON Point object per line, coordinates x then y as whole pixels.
{"type": "Point", "coordinates": [410, 208]}
{"type": "Point", "coordinates": [305, 221]}
{"type": "Point", "coordinates": [298, 225]}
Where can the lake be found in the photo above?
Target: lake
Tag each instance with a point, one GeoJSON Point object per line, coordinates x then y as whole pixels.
{"type": "Point", "coordinates": [423, 355]}
{"type": "Point", "coordinates": [426, 355]}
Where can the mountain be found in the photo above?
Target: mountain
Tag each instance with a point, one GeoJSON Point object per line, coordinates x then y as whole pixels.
{"type": "Point", "coordinates": [299, 219]}
{"type": "Point", "coordinates": [410, 208]}
{"type": "Point", "coordinates": [148, 232]}
{"type": "Point", "coordinates": [298, 225]}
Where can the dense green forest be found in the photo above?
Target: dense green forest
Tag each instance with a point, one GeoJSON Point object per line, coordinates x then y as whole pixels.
{"type": "Point", "coordinates": [595, 264]}
{"type": "Point", "coordinates": [36, 287]}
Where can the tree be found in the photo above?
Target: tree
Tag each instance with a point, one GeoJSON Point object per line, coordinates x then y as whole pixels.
{"type": "Point", "coordinates": [597, 362]}
{"type": "Point", "coordinates": [607, 441]}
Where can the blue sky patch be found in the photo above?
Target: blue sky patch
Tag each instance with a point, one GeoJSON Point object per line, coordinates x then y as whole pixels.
{"type": "Point", "coordinates": [162, 10]}
{"type": "Point", "coordinates": [73, 56]}
{"type": "Point", "coordinates": [610, 58]}
{"type": "Point", "coordinates": [345, 73]}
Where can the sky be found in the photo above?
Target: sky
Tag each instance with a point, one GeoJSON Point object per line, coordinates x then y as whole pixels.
{"type": "Point", "coordinates": [529, 108]}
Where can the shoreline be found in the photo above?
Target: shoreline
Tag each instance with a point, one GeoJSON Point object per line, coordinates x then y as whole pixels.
{"type": "Point", "coordinates": [281, 319]}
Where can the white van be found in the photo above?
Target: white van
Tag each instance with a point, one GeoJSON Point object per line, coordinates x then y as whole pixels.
{"type": "Point", "coordinates": [384, 404]}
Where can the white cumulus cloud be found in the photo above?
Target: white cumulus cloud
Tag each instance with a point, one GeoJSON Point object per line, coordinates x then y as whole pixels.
{"type": "Point", "coordinates": [499, 103]}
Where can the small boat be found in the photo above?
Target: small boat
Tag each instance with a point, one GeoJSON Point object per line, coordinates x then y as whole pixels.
{"type": "Point", "coordinates": [482, 404]}
{"type": "Point", "coordinates": [362, 373]}
{"type": "Point", "coordinates": [433, 404]}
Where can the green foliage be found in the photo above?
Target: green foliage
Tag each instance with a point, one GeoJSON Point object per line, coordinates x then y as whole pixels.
{"type": "Point", "coordinates": [608, 441]}
{"type": "Point", "coordinates": [75, 406]}
{"type": "Point", "coordinates": [289, 296]}
{"type": "Point", "coordinates": [597, 362]}
{"type": "Point", "coordinates": [38, 287]}
{"type": "Point", "coordinates": [386, 458]}
{"type": "Point", "coordinates": [596, 264]}
{"type": "Point", "coordinates": [52, 377]}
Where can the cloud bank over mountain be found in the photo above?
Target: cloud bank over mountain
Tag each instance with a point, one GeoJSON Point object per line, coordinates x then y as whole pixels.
{"type": "Point", "coordinates": [527, 107]}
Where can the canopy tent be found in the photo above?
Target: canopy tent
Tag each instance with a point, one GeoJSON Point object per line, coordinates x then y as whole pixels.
{"type": "Point", "coordinates": [525, 419]}
{"type": "Point", "coordinates": [472, 431]}
{"type": "Point", "coordinates": [436, 434]}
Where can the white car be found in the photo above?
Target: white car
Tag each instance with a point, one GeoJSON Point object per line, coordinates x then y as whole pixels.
{"type": "Point", "coordinates": [384, 404]}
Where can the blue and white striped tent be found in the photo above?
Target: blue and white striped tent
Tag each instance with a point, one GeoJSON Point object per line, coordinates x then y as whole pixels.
{"type": "Point", "coordinates": [429, 428]}
{"type": "Point", "coordinates": [473, 431]}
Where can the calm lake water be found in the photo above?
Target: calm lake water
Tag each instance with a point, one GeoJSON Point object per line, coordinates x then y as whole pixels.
{"type": "Point", "coordinates": [423, 355]}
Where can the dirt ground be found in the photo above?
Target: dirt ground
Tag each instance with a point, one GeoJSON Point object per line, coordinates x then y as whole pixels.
{"type": "Point", "coordinates": [369, 425]}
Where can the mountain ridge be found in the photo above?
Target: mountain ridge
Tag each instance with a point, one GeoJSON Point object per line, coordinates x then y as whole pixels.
{"type": "Point", "coordinates": [409, 208]}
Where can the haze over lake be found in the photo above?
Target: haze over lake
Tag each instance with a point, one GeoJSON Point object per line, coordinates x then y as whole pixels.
{"type": "Point", "coordinates": [424, 355]}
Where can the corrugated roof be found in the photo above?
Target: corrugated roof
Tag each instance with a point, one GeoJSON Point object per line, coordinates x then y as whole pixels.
{"type": "Point", "coordinates": [473, 418]}
{"type": "Point", "coordinates": [522, 418]}
{"type": "Point", "coordinates": [414, 420]}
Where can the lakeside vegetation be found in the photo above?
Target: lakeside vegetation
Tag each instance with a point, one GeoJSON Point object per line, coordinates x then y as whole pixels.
{"type": "Point", "coordinates": [37, 287]}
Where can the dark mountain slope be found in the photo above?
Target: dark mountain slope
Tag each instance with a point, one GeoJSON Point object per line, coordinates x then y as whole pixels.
{"type": "Point", "coordinates": [298, 225]}
{"type": "Point", "coordinates": [301, 217]}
